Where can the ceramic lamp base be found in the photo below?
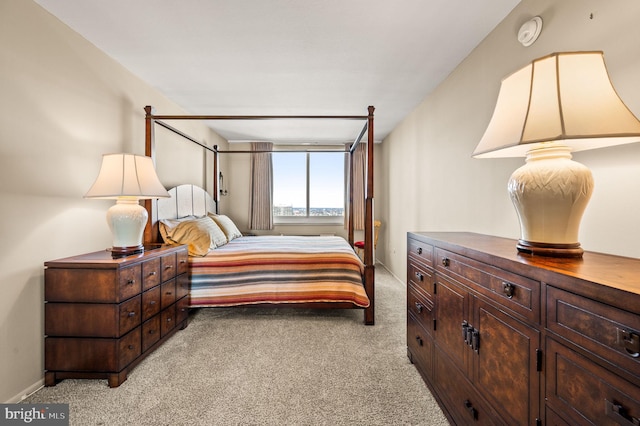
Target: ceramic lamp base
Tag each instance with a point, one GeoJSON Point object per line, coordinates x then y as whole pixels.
{"type": "Point", "coordinates": [127, 219]}
{"type": "Point", "coordinates": [550, 193]}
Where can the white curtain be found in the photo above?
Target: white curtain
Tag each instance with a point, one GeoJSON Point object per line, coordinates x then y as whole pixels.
{"type": "Point", "coordinates": [261, 198]}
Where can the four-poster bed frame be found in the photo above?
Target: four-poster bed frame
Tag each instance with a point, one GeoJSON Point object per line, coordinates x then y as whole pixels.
{"type": "Point", "coordinates": [151, 234]}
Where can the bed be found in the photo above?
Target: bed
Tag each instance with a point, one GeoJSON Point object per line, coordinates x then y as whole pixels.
{"type": "Point", "coordinates": [318, 272]}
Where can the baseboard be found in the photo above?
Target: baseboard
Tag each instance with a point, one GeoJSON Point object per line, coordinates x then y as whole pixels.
{"type": "Point", "coordinates": [26, 392]}
{"type": "Point", "coordinates": [391, 273]}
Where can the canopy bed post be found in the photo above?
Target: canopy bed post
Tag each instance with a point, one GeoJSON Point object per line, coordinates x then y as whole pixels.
{"type": "Point", "coordinates": [216, 178]}
{"type": "Point", "coordinates": [151, 228]}
{"type": "Point", "coordinates": [350, 195]}
{"type": "Point", "coordinates": [369, 271]}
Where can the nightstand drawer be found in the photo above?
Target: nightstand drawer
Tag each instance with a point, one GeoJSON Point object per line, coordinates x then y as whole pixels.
{"type": "Point", "coordinates": [183, 262]}
{"type": "Point", "coordinates": [612, 333]}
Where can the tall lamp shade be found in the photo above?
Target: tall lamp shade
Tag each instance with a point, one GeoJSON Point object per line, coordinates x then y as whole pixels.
{"type": "Point", "coordinates": [559, 103]}
{"type": "Point", "coordinates": [127, 178]}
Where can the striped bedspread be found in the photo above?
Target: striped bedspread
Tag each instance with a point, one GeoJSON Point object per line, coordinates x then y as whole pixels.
{"type": "Point", "coordinates": [278, 269]}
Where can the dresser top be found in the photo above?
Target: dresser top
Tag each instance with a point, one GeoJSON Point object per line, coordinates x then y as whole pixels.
{"type": "Point", "coordinates": [104, 260]}
{"type": "Point", "coordinates": [621, 273]}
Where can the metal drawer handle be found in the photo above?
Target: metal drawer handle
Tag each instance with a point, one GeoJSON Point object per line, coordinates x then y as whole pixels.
{"type": "Point", "coordinates": [153, 302]}
{"type": "Point", "coordinates": [168, 319]}
{"type": "Point", "coordinates": [152, 273]}
{"type": "Point", "coordinates": [168, 267]}
{"type": "Point", "coordinates": [419, 250]}
{"type": "Point", "coordinates": [629, 341]}
{"type": "Point", "coordinates": [446, 262]}
{"type": "Point", "coordinates": [130, 346]}
{"type": "Point", "coordinates": [183, 261]}
{"type": "Point", "coordinates": [168, 293]}
{"type": "Point", "coordinates": [419, 307]}
{"type": "Point", "coordinates": [131, 281]}
{"type": "Point", "coordinates": [618, 414]}
{"type": "Point", "coordinates": [508, 289]}
{"type": "Point", "coordinates": [132, 314]}
{"type": "Point", "coordinates": [419, 276]}
{"type": "Point", "coordinates": [472, 411]}
{"type": "Point", "coordinates": [419, 340]}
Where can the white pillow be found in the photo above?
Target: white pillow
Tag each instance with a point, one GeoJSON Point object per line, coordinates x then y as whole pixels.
{"type": "Point", "coordinates": [228, 227]}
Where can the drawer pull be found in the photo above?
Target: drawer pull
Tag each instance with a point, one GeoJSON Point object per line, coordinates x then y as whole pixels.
{"type": "Point", "coordinates": [151, 331]}
{"type": "Point", "coordinates": [168, 267]}
{"type": "Point", "coordinates": [629, 341]}
{"type": "Point", "coordinates": [131, 282]}
{"type": "Point", "coordinates": [419, 250]}
{"type": "Point", "coordinates": [446, 262]}
{"type": "Point", "coordinates": [132, 314]}
{"type": "Point", "coordinates": [469, 406]}
{"type": "Point", "coordinates": [618, 414]}
{"type": "Point", "coordinates": [153, 302]}
{"type": "Point", "coordinates": [152, 273]}
{"type": "Point", "coordinates": [168, 293]}
{"type": "Point", "coordinates": [169, 319]}
{"type": "Point", "coordinates": [465, 331]}
{"type": "Point", "coordinates": [508, 289]}
{"type": "Point", "coordinates": [419, 276]}
{"type": "Point", "coordinates": [182, 261]}
{"type": "Point", "coordinates": [131, 347]}
{"type": "Point", "coordinates": [419, 307]}
{"type": "Point", "coordinates": [419, 340]}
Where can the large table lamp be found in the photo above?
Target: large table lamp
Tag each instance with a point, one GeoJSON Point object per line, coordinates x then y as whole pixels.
{"type": "Point", "coordinates": [127, 178]}
{"type": "Point", "coordinates": [559, 103]}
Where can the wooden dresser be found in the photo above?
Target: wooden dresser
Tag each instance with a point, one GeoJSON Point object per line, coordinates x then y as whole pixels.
{"type": "Point", "coordinates": [104, 315]}
{"type": "Point", "coordinates": [511, 339]}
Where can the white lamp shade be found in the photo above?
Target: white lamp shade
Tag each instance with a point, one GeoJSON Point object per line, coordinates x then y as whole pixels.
{"type": "Point", "coordinates": [557, 104]}
{"type": "Point", "coordinates": [127, 175]}
{"type": "Point", "coordinates": [564, 97]}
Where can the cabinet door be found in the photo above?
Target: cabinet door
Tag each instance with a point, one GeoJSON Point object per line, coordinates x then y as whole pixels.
{"type": "Point", "coordinates": [452, 310]}
{"type": "Point", "coordinates": [505, 363]}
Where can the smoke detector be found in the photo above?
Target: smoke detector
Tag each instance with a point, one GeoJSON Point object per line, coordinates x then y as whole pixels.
{"type": "Point", "coordinates": [529, 31]}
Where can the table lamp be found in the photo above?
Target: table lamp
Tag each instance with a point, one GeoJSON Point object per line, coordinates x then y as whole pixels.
{"type": "Point", "coordinates": [559, 103]}
{"type": "Point", "coordinates": [127, 178]}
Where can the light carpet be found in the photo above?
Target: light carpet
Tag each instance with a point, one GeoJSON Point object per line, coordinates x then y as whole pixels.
{"type": "Point", "coordinates": [268, 366]}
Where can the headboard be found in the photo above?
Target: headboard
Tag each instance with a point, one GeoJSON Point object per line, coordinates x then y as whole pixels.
{"type": "Point", "coordinates": [185, 200]}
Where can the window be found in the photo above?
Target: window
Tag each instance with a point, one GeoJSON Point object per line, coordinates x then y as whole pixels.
{"type": "Point", "coordinates": [308, 187]}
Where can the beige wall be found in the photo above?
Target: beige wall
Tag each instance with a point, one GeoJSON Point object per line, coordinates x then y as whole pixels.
{"type": "Point", "coordinates": [433, 183]}
{"type": "Point", "coordinates": [63, 104]}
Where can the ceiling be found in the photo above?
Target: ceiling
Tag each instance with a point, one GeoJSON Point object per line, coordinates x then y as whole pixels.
{"type": "Point", "coordinates": [287, 57]}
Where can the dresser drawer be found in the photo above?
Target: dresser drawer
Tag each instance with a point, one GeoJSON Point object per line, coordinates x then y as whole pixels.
{"type": "Point", "coordinates": [150, 332]}
{"type": "Point", "coordinates": [420, 277]}
{"type": "Point", "coordinates": [150, 303]}
{"type": "Point", "coordinates": [150, 274]}
{"type": "Point", "coordinates": [89, 354]}
{"type": "Point", "coordinates": [182, 310]}
{"type": "Point", "coordinates": [609, 332]}
{"type": "Point", "coordinates": [420, 307]}
{"type": "Point", "coordinates": [168, 293]}
{"type": "Point", "coordinates": [182, 258]}
{"type": "Point", "coordinates": [182, 286]}
{"type": "Point", "coordinates": [91, 319]}
{"type": "Point", "coordinates": [420, 346]}
{"type": "Point", "coordinates": [420, 251]}
{"type": "Point", "coordinates": [130, 281]}
{"type": "Point", "coordinates": [168, 320]}
{"type": "Point", "coordinates": [169, 266]}
{"type": "Point", "coordinates": [587, 393]}
{"type": "Point", "coordinates": [515, 292]}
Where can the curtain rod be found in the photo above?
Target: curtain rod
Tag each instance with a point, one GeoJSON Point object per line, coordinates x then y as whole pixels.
{"type": "Point", "coordinates": [278, 151]}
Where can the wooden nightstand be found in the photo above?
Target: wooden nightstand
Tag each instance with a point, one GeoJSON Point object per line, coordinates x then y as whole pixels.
{"type": "Point", "coordinates": [103, 315]}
